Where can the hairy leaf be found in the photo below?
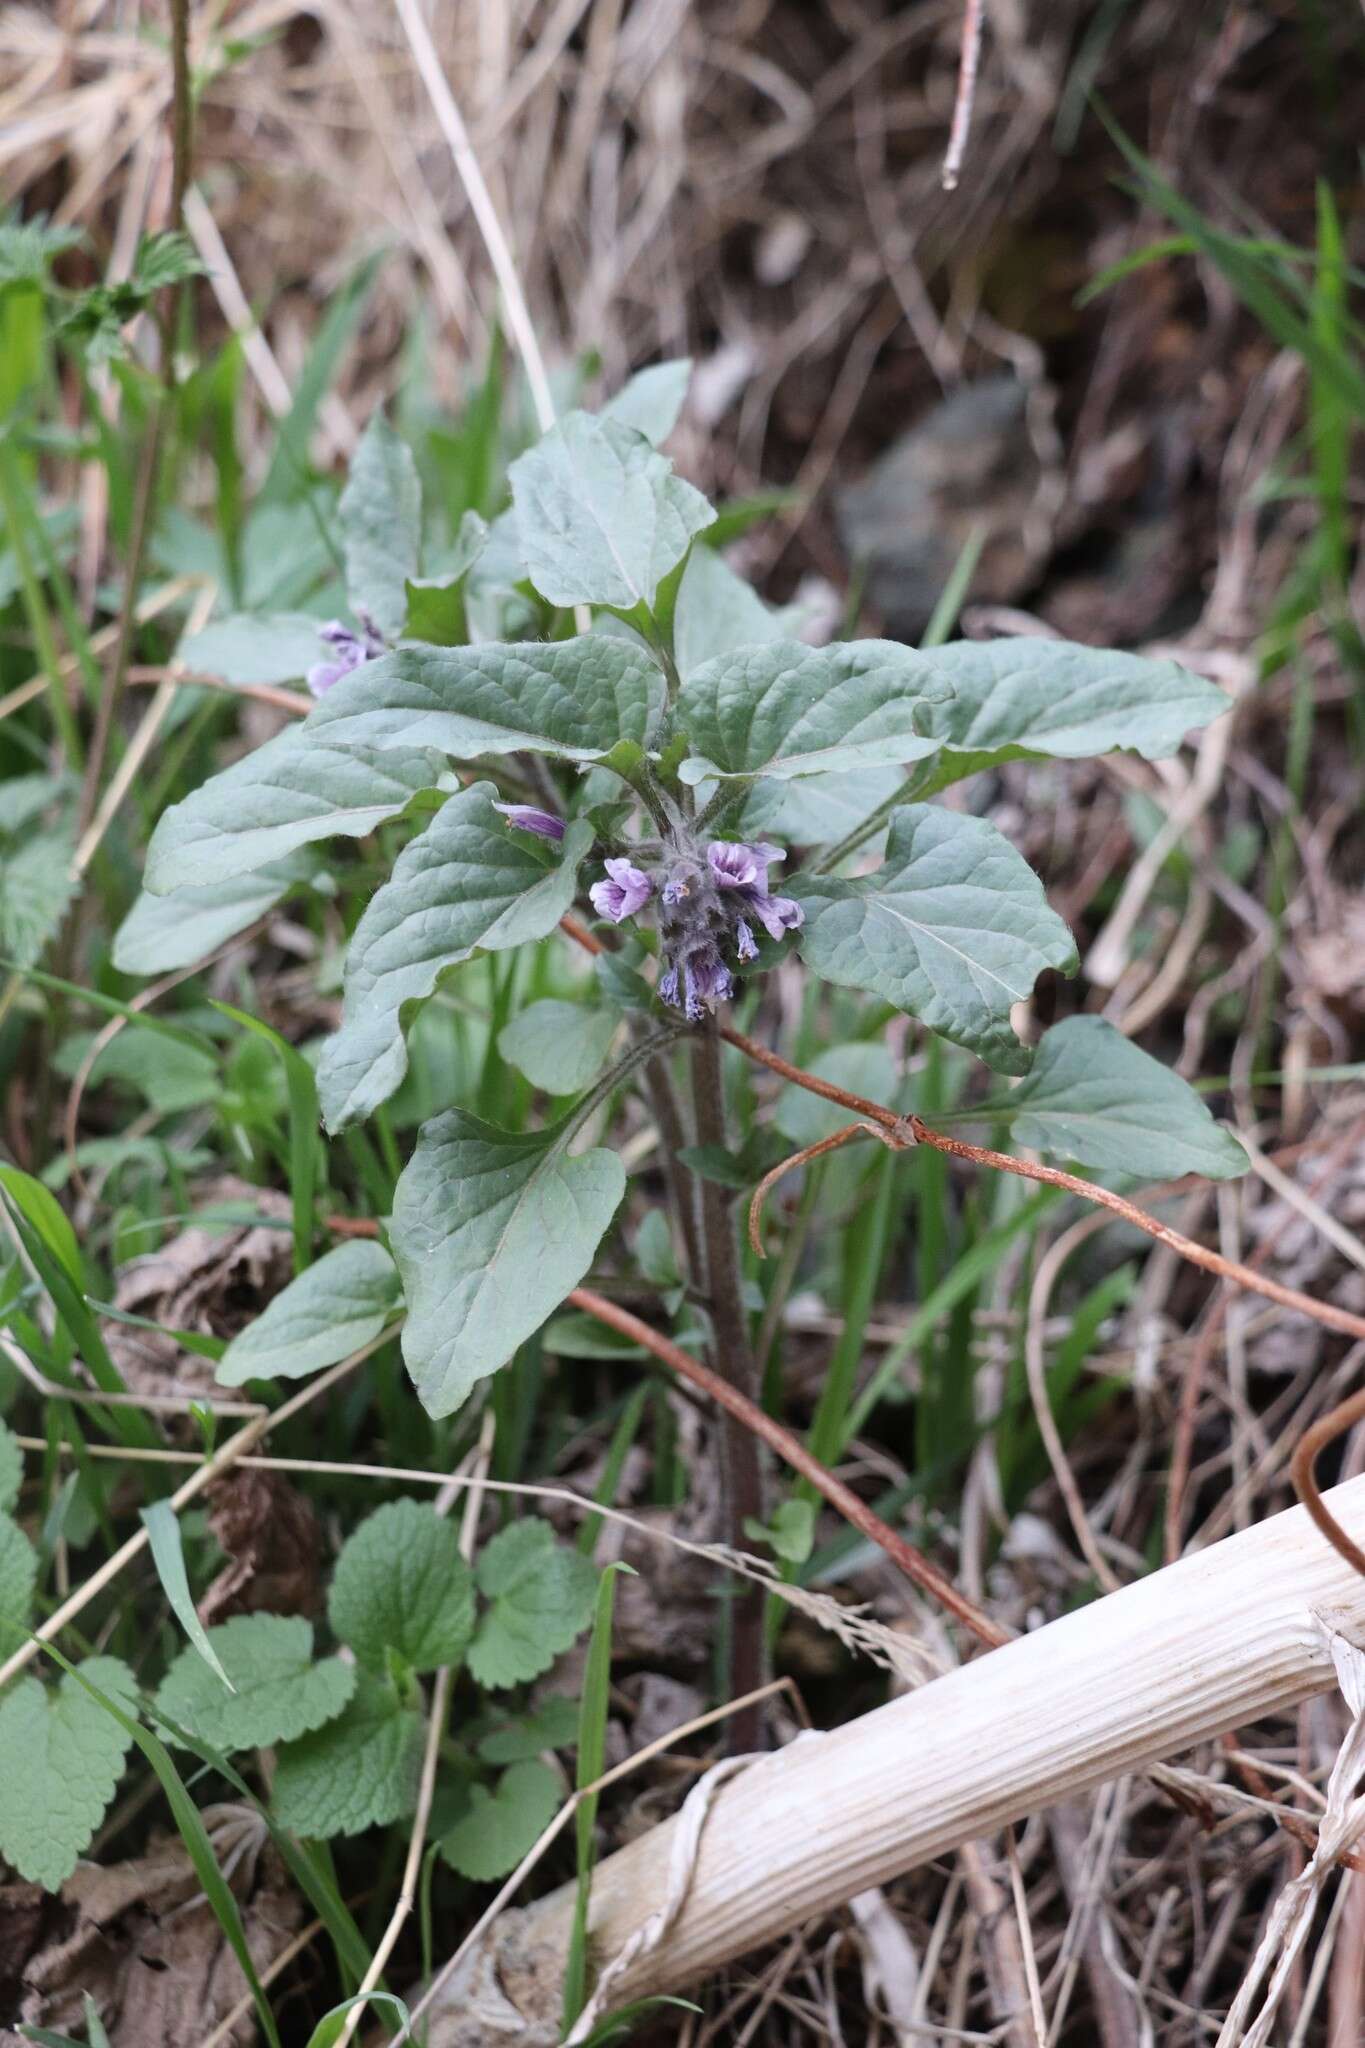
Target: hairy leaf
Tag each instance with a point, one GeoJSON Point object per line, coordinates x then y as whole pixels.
{"type": "Point", "coordinates": [18, 1580]}
{"type": "Point", "coordinates": [280, 1693]}
{"type": "Point", "coordinates": [361, 1770]}
{"type": "Point", "coordinates": [401, 1585]}
{"type": "Point", "coordinates": [1093, 1096]}
{"type": "Point", "coordinates": [297, 788]}
{"type": "Point", "coordinates": [782, 709]}
{"type": "Point", "coordinates": [542, 1596]}
{"type": "Point", "coordinates": [1016, 698]}
{"type": "Point", "coordinates": [953, 927]}
{"type": "Point", "coordinates": [500, 1826]}
{"type": "Point", "coordinates": [332, 1308]}
{"type": "Point", "coordinates": [561, 1047]}
{"type": "Point", "coordinates": [652, 399]}
{"type": "Point", "coordinates": [601, 515]}
{"type": "Point", "coordinates": [717, 610]}
{"type": "Point", "coordinates": [381, 526]}
{"type": "Point", "coordinates": [162, 933]}
{"type": "Point", "coordinates": [491, 1229]}
{"type": "Point", "coordinates": [573, 698]}
{"type": "Point", "coordinates": [61, 1757]}
{"type": "Point", "coordinates": [245, 647]}
{"type": "Point", "coordinates": [469, 883]}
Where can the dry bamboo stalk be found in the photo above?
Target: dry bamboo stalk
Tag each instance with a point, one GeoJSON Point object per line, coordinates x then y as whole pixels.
{"type": "Point", "coordinates": [1218, 1640]}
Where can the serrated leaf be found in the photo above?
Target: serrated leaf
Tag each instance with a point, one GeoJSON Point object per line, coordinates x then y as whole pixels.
{"type": "Point", "coordinates": [542, 1596]}
{"type": "Point", "coordinates": [500, 1826]}
{"type": "Point", "coordinates": [782, 709]}
{"type": "Point", "coordinates": [491, 1229]}
{"type": "Point", "coordinates": [561, 1047]}
{"type": "Point", "coordinates": [330, 1309]}
{"type": "Point", "coordinates": [571, 698]}
{"type": "Point", "coordinates": [716, 611]}
{"type": "Point", "coordinates": [652, 400]}
{"type": "Point", "coordinates": [165, 258]}
{"type": "Point", "coordinates": [24, 797]}
{"type": "Point", "coordinates": [11, 1468]}
{"type": "Point", "coordinates": [162, 933]}
{"type": "Point", "coordinates": [280, 1693]}
{"type": "Point", "coordinates": [61, 1758]}
{"type": "Point", "coordinates": [467, 884]}
{"type": "Point", "coordinates": [362, 1770]}
{"type": "Point", "coordinates": [401, 1585]}
{"type": "Point", "coordinates": [601, 515]}
{"type": "Point", "coordinates": [552, 1724]}
{"type": "Point", "coordinates": [18, 1582]}
{"type": "Point", "coordinates": [1093, 1096]}
{"type": "Point", "coordinates": [295, 789]}
{"type": "Point", "coordinates": [36, 886]}
{"type": "Point", "coordinates": [953, 927]}
{"type": "Point", "coordinates": [1016, 698]}
{"type": "Point", "coordinates": [254, 647]}
{"type": "Point", "coordinates": [381, 526]}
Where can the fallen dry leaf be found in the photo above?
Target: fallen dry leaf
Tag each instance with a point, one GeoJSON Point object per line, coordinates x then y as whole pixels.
{"type": "Point", "coordinates": [271, 1538]}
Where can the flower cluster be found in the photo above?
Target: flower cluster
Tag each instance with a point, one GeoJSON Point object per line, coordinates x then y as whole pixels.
{"type": "Point", "coordinates": [349, 650]}
{"type": "Point", "coordinates": [708, 904]}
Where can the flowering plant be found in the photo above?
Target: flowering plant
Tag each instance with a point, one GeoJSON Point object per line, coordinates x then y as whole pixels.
{"type": "Point", "coordinates": [591, 721]}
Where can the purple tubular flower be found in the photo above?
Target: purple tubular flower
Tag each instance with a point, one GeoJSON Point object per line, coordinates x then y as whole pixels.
{"type": "Point", "coordinates": [778, 914]}
{"type": "Point", "coordinates": [735, 865]}
{"type": "Point", "coordinates": [745, 949]}
{"type": "Point", "coordinates": [527, 818]}
{"type": "Point", "coordinates": [626, 890]}
{"type": "Point", "coordinates": [350, 650]}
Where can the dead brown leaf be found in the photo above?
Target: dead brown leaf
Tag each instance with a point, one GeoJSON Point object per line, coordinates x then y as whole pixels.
{"type": "Point", "coordinates": [270, 1535]}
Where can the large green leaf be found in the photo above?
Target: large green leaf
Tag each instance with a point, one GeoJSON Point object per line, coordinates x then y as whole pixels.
{"type": "Point", "coordinates": [36, 885]}
{"type": "Point", "coordinates": [361, 1770]}
{"type": "Point", "coordinates": [601, 515]}
{"type": "Point", "coordinates": [491, 1229]}
{"type": "Point", "coordinates": [717, 610]}
{"type": "Point", "coordinates": [1093, 1096]}
{"type": "Point", "coordinates": [652, 399]}
{"type": "Point", "coordinates": [467, 884]}
{"type": "Point", "coordinates": [500, 1826]}
{"type": "Point", "coordinates": [61, 1757]}
{"type": "Point", "coordinates": [783, 709]}
{"type": "Point", "coordinates": [254, 647]}
{"type": "Point", "coordinates": [401, 1586]}
{"type": "Point", "coordinates": [954, 928]}
{"type": "Point", "coordinates": [541, 1596]}
{"type": "Point", "coordinates": [1016, 698]}
{"type": "Point", "coordinates": [297, 788]}
{"type": "Point", "coordinates": [332, 1308]}
{"type": "Point", "coordinates": [574, 698]}
{"type": "Point", "coordinates": [278, 1692]}
{"type": "Point", "coordinates": [162, 933]}
{"type": "Point", "coordinates": [561, 1047]}
{"type": "Point", "coordinates": [381, 526]}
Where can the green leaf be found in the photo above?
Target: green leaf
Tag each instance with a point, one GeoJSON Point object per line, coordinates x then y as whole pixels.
{"type": "Point", "coordinates": [601, 515]}
{"type": "Point", "coordinates": [294, 789]}
{"type": "Point", "coordinates": [251, 647]}
{"type": "Point", "coordinates": [790, 1534]}
{"type": "Point", "coordinates": [11, 1468]}
{"type": "Point", "coordinates": [381, 526]}
{"type": "Point", "coordinates": [572, 698]}
{"type": "Point", "coordinates": [716, 611]}
{"type": "Point", "coordinates": [436, 604]}
{"type": "Point", "coordinates": [542, 1596]}
{"type": "Point", "coordinates": [401, 1585]}
{"type": "Point", "coordinates": [1093, 1096]}
{"type": "Point", "coordinates": [279, 1693]}
{"type": "Point", "coordinates": [467, 884]}
{"type": "Point", "coordinates": [18, 1583]}
{"type": "Point", "coordinates": [499, 1827]}
{"type": "Point", "coordinates": [954, 927]}
{"type": "Point", "coordinates": [782, 709]}
{"type": "Point", "coordinates": [865, 1069]}
{"type": "Point", "coordinates": [491, 1229]}
{"type": "Point", "coordinates": [1013, 699]}
{"type": "Point", "coordinates": [163, 933]}
{"type": "Point", "coordinates": [561, 1047]}
{"type": "Point", "coordinates": [553, 1724]}
{"type": "Point", "coordinates": [332, 2025]}
{"type": "Point", "coordinates": [652, 400]}
{"type": "Point", "coordinates": [362, 1770]}
{"type": "Point", "coordinates": [332, 1308]}
{"type": "Point", "coordinates": [163, 1534]}
{"type": "Point", "coordinates": [61, 1758]}
{"type": "Point", "coordinates": [36, 886]}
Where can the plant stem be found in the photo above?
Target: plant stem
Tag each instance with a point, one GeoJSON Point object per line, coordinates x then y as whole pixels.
{"type": "Point", "coordinates": [732, 1358]}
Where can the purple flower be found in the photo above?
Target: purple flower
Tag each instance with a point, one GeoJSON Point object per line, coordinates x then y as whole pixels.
{"type": "Point", "coordinates": [745, 949]}
{"type": "Point", "coordinates": [778, 914]}
{"type": "Point", "coordinates": [527, 818]}
{"type": "Point", "coordinates": [626, 890]}
{"type": "Point", "coordinates": [737, 866]}
{"type": "Point", "coordinates": [351, 650]}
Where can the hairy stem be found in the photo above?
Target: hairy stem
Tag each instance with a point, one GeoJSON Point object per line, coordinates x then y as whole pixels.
{"type": "Point", "coordinates": [732, 1358]}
